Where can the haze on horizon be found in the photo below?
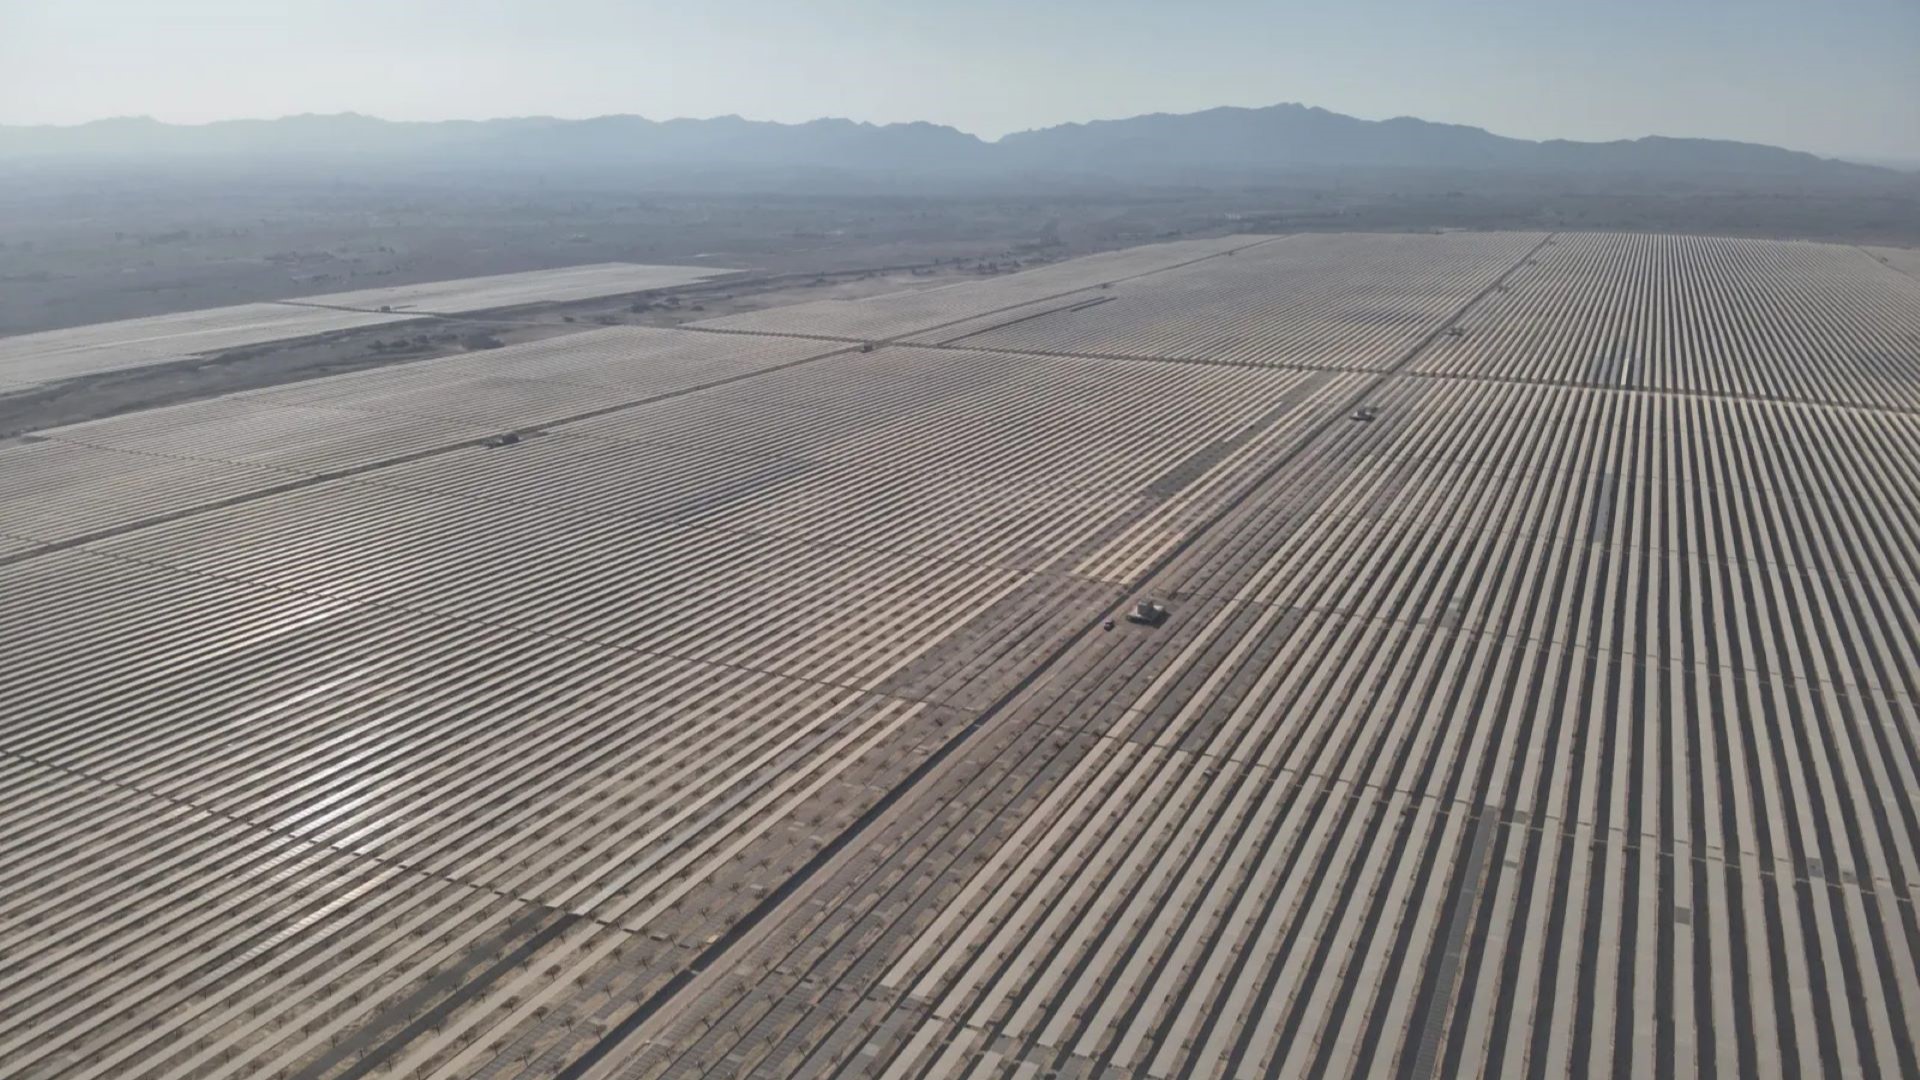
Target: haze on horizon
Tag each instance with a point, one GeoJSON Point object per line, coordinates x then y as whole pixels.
{"type": "Point", "coordinates": [1837, 79]}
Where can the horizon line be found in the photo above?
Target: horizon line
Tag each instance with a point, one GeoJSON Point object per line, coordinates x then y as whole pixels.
{"type": "Point", "coordinates": [356, 114]}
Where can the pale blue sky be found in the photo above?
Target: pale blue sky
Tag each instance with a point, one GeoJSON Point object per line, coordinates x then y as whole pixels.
{"type": "Point", "coordinates": [1840, 78]}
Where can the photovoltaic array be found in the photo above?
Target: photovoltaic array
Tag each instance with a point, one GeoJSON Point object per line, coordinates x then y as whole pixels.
{"type": "Point", "coordinates": [1538, 693]}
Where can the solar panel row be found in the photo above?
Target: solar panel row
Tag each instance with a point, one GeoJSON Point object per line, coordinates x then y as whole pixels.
{"type": "Point", "coordinates": [29, 360]}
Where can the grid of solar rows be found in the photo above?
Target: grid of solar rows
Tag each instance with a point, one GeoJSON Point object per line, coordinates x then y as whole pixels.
{"type": "Point", "coordinates": [977, 458]}
{"type": "Point", "coordinates": [1905, 260]}
{"type": "Point", "coordinates": [896, 314]}
{"type": "Point", "coordinates": [1785, 321]}
{"type": "Point", "coordinates": [58, 491]}
{"type": "Point", "coordinates": [1525, 729]}
{"type": "Point", "coordinates": [721, 585]}
{"type": "Point", "coordinates": [241, 431]}
{"type": "Point", "coordinates": [411, 660]}
{"type": "Point", "coordinates": [28, 360]}
{"type": "Point", "coordinates": [277, 831]}
{"type": "Point", "coordinates": [543, 382]}
{"type": "Point", "coordinates": [1315, 300]}
{"type": "Point", "coordinates": [1629, 699]}
{"type": "Point", "coordinates": [124, 470]}
{"type": "Point", "coordinates": [515, 290]}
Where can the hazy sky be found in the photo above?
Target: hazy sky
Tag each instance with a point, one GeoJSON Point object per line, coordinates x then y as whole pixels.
{"type": "Point", "coordinates": [1838, 77]}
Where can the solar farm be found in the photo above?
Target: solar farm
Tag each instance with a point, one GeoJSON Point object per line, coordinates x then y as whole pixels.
{"type": "Point", "coordinates": [34, 359]}
{"type": "Point", "coordinates": [1527, 683]}
{"type": "Point", "coordinates": [29, 360]}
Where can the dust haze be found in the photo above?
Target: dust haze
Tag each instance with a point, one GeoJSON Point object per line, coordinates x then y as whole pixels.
{"type": "Point", "coordinates": [131, 218]}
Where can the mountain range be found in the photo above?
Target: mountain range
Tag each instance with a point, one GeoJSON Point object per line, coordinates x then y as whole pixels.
{"type": "Point", "coordinates": [1219, 142]}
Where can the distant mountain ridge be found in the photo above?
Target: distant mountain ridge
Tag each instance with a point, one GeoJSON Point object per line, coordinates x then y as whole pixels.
{"type": "Point", "coordinates": [1223, 140]}
{"type": "Point", "coordinates": [1297, 136]}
